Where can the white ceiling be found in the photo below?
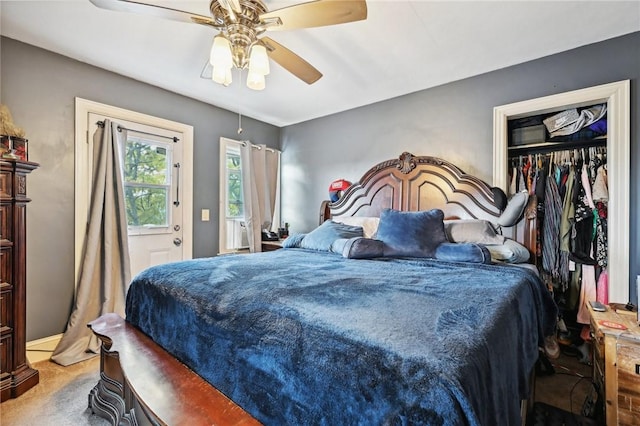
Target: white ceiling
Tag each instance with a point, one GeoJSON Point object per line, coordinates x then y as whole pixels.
{"type": "Point", "coordinates": [403, 47]}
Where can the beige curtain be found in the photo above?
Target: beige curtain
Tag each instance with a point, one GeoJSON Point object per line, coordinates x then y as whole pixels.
{"type": "Point", "coordinates": [105, 270]}
{"type": "Point", "coordinates": [260, 170]}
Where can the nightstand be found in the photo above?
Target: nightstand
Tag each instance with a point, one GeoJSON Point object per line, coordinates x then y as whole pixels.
{"type": "Point", "coordinates": [616, 365]}
{"type": "Point", "coordinates": [271, 245]}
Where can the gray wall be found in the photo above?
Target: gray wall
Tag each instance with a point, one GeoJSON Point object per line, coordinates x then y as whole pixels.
{"type": "Point", "coordinates": [453, 121]}
{"type": "Point", "coordinates": [39, 87]}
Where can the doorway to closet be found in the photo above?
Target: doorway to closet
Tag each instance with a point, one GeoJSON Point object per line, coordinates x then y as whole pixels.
{"type": "Point", "coordinates": [616, 97]}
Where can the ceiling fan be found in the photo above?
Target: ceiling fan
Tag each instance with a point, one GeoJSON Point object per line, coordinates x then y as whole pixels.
{"type": "Point", "coordinates": [241, 23]}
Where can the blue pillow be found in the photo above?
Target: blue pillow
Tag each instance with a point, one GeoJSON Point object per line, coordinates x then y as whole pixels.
{"type": "Point", "coordinates": [324, 235]}
{"type": "Point", "coordinates": [463, 252]}
{"type": "Point", "coordinates": [293, 240]}
{"type": "Point", "coordinates": [411, 234]}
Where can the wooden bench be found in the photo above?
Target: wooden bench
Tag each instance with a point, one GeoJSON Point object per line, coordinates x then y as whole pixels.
{"type": "Point", "coordinates": [172, 393]}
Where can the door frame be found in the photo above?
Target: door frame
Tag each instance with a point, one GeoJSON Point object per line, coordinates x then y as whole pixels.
{"type": "Point", "coordinates": [617, 97]}
{"type": "Point", "coordinates": [83, 108]}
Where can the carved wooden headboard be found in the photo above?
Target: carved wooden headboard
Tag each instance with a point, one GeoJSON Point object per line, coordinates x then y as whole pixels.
{"type": "Point", "coordinates": [414, 183]}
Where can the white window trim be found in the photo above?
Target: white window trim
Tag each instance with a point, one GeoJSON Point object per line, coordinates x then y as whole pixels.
{"type": "Point", "coordinates": [82, 163]}
{"type": "Point", "coordinates": [155, 229]}
{"type": "Point", "coordinates": [222, 229]}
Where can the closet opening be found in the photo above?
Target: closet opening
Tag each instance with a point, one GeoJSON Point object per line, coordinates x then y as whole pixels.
{"type": "Point", "coordinates": [518, 134]}
{"type": "Point", "coordinates": [560, 159]}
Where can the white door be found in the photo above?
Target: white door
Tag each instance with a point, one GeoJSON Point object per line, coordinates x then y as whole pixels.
{"type": "Point", "coordinates": [151, 161]}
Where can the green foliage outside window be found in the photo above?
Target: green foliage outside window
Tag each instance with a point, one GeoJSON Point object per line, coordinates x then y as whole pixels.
{"type": "Point", "coordinates": [146, 183]}
{"type": "Point", "coordinates": [235, 201]}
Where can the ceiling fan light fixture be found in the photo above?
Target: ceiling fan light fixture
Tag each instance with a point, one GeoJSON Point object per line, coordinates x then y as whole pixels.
{"type": "Point", "coordinates": [221, 53]}
{"type": "Point", "coordinates": [258, 60]}
{"type": "Point", "coordinates": [241, 23]}
{"type": "Point", "coordinates": [221, 76]}
{"type": "Point", "coordinates": [255, 81]}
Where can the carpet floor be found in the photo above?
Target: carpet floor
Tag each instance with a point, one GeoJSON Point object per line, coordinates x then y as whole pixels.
{"type": "Point", "coordinates": [61, 397]}
{"type": "Point", "coordinates": [568, 387]}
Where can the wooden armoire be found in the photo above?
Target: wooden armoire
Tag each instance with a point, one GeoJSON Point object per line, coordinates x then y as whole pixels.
{"type": "Point", "coordinates": [16, 375]}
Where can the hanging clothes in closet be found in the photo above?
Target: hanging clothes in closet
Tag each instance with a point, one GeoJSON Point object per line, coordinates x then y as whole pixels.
{"type": "Point", "coordinates": [560, 159]}
{"type": "Point", "coordinates": [569, 191]}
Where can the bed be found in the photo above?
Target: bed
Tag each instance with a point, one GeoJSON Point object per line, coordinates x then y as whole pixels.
{"type": "Point", "coordinates": [345, 334]}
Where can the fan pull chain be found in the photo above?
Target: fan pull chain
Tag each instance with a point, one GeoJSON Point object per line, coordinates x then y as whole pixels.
{"type": "Point", "coordinates": [239, 102]}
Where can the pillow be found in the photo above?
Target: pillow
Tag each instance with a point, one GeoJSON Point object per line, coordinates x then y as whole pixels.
{"type": "Point", "coordinates": [362, 248]}
{"type": "Point", "coordinates": [463, 252]}
{"type": "Point", "coordinates": [514, 210]}
{"type": "Point", "coordinates": [369, 224]}
{"type": "Point", "coordinates": [411, 234]}
{"type": "Point", "coordinates": [509, 252]}
{"type": "Point", "coordinates": [499, 198]}
{"type": "Point", "coordinates": [471, 231]}
{"type": "Point", "coordinates": [324, 235]}
{"type": "Point", "coordinates": [293, 240]}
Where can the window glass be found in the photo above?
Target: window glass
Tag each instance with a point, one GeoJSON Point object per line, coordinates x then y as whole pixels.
{"type": "Point", "coordinates": [147, 180]}
{"type": "Point", "coordinates": [235, 203]}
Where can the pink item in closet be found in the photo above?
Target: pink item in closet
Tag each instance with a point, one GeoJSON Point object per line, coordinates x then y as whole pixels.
{"type": "Point", "coordinates": [600, 191]}
{"type": "Point", "coordinates": [602, 292]}
{"type": "Point", "coordinates": [587, 186]}
{"type": "Point", "coordinates": [587, 293]}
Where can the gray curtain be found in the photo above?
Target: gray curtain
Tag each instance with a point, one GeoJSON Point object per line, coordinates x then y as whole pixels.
{"type": "Point", "coordinates": [105, 270]}
{"type": "Point", "coordinates": [260, 169]}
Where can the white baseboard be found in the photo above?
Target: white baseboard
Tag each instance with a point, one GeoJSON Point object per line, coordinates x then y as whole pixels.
{"type": "Point", "coordinates": [41, 349]}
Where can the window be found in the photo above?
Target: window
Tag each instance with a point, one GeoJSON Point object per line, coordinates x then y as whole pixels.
{"type": "Point", "coordinates": [233, 172]}
{"type": "Point", "coordinates": [147, 183]}
{"type": "Point", "coordinates": [233, 233]}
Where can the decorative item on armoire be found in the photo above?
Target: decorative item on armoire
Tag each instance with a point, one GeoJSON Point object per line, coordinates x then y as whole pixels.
{"type": "Point", "coordinates": [13, 145]}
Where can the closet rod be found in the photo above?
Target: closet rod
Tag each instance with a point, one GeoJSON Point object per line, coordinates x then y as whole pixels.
{"type": "Point", "coordinates": [121, 128]}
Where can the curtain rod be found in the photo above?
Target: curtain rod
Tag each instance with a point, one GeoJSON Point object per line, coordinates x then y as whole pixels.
{"type": "Point", "coordinates": [121, 128]}
{"type": "Point", "coordinates": [244, 143]}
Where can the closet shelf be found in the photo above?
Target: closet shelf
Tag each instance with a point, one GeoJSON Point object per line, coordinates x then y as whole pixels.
{"type": "Point", "coordinates": [552, 146]}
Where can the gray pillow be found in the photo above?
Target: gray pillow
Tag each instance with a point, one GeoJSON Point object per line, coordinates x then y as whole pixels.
{"type": "Point", "coordinates": [324, 235]}
{"type": "Point", "coordinates": [471, 231]}
{"type": "Point", "coordinates": [362, 248]}
{"type": "Point", "coordinates": [514, 210]}
{"type": "Point", "coordinates": [411, 234]}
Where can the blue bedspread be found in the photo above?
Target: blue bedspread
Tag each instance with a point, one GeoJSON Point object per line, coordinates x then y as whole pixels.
{"type": "Point", "coordinates": [299, 337]}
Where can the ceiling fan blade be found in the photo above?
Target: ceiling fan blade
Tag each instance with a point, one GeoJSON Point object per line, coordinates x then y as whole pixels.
{"type": "Point", "coordinates": [154, 10]}
{"type": "Point", "coordinates": [290, 61]}
{"type": "Point", "coordinates": [315, 14]}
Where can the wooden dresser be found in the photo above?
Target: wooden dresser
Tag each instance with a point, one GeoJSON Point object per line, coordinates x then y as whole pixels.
{"type": "Point", "coordinates": [16, 375]}
{"type": "Point", "coordinates": [616, 365]}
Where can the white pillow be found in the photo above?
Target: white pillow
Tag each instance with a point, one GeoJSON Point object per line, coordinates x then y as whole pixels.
{"type": "Point", "coordinates": [369, 224]}
{"type": "Point", "coordinates": [514, 210]}
{"type": "Point", "coordinates": [509, 252]}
